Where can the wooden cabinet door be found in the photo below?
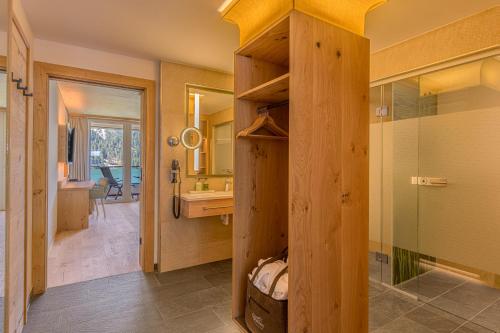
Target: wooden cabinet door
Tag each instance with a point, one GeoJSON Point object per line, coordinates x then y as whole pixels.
{"type": "Point", "coordinates": [15, 254]}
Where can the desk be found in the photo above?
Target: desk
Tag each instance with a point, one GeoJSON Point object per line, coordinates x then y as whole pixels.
{"type": "Point", "coordinates": [73, 205]}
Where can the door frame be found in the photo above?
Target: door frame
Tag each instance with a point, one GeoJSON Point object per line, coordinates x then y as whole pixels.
{"type": "Point", "coordinates": [42, 73]}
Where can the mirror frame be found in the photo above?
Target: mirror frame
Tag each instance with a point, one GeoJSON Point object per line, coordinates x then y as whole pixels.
{"type": "Point", "coordinates": [186, 112]}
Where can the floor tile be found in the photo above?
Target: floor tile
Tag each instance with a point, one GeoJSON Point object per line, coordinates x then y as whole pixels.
{"type": "Point", "coordinates": [376, 289]}
{"type": "Point", "coordinates": [170, 291]}
{"type": "Point", "coordinates": [473, 328]}
{"type": "Point", "coordinates": [432, 284]}
{"type": "Point", "coordinates": [229, 328]}
{"type": "Point", "coordinates": [387, 307]}
{"type": "Point", "coordinates": [198, 299]}
{"type": "Point", "coordinates": [218, 279]}
{"type": "Point", "coordinates": [223, 311]}
{"type": "Point", "coordinates": [227, 287]}
{"type": "Point", "coordinates": [223, 265]}
{"type": "Point", "coordinates": [434, 319]}
{"type": "Point", "coordinates": [403, 325]}
{"type": "Point", "coordinates": [195, 322]}
{"type": "Point", "coordinates": [185, 274]}
{"type": "Point", "coordinates": [207, 298]}
{"type": "Point", "coordinates": [489, 318]}
{"type": "Point", "coordinates": [467, 300]}
{"type": "Point", "coordinates": [138, 318]}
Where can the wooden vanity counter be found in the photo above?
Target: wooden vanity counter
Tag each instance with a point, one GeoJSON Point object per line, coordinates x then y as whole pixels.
{"type": "Point", "coordinates": [220, 204]}
{"type": "Point", "coordinates": [73, 205]}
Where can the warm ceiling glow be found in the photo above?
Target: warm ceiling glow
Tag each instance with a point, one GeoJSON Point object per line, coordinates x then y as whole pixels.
{"type": "Point", "coordinates": [224, 5]}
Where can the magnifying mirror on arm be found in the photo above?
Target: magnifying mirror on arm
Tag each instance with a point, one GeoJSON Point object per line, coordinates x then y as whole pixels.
{"type": "Point", "coordinates": [191, 138]}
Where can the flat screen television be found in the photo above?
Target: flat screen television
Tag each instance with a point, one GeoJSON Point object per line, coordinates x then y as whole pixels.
{"type": "Point", "coordinates": [71, 144]}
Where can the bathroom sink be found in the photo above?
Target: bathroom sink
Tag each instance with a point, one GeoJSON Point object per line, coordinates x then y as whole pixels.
{"type": "Point", "coordinates": [198, 196]}
{"type": "Point", "coordinates": [201, 192]}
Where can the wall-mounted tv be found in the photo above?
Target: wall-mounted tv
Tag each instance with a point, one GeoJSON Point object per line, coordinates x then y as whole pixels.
{"type": "Point", "coordinates": [71, 144]}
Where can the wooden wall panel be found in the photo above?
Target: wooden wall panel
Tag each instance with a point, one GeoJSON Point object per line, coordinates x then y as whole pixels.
{"type": "Point", "coordinates": [186, 242]}
{"type": "Point", "coordinates": [328, 275]}
{"type": "Point", "coordinates": [261, 182]}
{"type": "Point", "coordinates": [466, 37]}
{"type": "Point", "coordinates": [16, 181]}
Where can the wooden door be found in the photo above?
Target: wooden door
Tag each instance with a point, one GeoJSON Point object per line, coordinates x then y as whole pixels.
{"type": "Point", "coordinates": [15, 254]}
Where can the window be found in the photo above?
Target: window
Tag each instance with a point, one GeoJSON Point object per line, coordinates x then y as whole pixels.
{"type": "Point", "coordinates": [106, 149]}
{"type": "Point", "coordinates": [135, 159]}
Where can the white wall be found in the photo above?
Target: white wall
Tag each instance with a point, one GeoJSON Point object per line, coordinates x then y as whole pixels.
{"type": "Point", "coordinates": [75, 56]}
{"type": "Point", "coordinates": [56, 105]}
{"type": "Point", "coordinates": [3, 104]}
{"type": "Point", "coordinates": [3, 43]}
{"type": "Point", "coordinates": [3, 90]}
{"type": "Point", "coordinates": [3, 154]}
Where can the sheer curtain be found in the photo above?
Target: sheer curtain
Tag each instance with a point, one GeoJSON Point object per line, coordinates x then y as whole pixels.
{"type": "Point", "coordinates": [80, 167]}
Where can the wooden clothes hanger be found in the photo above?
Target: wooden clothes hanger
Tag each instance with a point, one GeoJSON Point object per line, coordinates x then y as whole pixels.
{"type": "Point", "coordinates": [264, 121]}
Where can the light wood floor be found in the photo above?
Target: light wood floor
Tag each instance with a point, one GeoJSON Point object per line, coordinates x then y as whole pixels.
{"type": "Point", "coordinates": [110, 246]}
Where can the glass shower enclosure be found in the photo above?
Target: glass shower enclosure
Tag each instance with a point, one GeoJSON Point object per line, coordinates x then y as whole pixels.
{"type": "Point", "coordinates": [435, 191]}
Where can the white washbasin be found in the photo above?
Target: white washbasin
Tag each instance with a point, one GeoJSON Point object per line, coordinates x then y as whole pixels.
{"type": "Point", "coordinates": [207, 195]}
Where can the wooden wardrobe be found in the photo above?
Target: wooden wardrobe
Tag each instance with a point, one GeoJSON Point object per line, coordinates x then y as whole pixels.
{"type": "Point", "coordinates": [309, 192]}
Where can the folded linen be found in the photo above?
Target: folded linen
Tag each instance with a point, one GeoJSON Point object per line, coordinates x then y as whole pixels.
{"type": "Point", "coordinates": [266, 276]}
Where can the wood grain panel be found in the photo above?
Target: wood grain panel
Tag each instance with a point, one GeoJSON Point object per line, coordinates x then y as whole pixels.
{"type": "Point", "coordinates": [73, 205]}
{"type": "Point", "coordinates": [466, 37]}
{"type": "Point", "coordinates": [202, 208]}
{"type": "Point", "coordinates": [272, 45]}
{"type": "Point", "coordinates": [274, 91]}
{"type": "Point", "coordinates": [186, 242]}
{"type": "Point", "coordinates": [328, 276]}
{"type": "Point", "coordinates": [43, 72]}
{"type": "Point", "coordinates": [16, 182]}
{"type": "Point", "coordinates": [254, 16]}
{"type": "Point", "coordinates": [261, 185]}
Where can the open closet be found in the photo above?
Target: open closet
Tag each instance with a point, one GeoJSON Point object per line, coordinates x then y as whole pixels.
{"type": "Point", "coordinates": [301, 169]}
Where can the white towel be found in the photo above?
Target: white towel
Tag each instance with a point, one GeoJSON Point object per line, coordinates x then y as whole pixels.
{"type": "Point", "coordinates": [266, 277]}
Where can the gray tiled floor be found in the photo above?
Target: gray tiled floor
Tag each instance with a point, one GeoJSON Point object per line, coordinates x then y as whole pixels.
{"type": "Point", "coordinates": [198, 299]}
{"type": "Point", "coordinates": [1, 314]}
{"type": "Point", "coordinates": [189, 300]}
{"type": "Point", "coordinates": [447, 303]}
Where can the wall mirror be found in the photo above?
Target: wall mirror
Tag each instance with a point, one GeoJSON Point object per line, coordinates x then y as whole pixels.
{"type": "Point", "coordinates": [211, 112]}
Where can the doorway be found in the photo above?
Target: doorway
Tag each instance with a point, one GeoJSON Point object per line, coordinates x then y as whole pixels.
{"type": "Point", "coordinates": [94, 162]}
{"type": "Point", "coordinates": [140, 199]}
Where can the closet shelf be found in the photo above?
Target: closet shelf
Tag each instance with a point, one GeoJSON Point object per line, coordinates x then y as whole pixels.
{"type": "Point", "coordinates": [272, 45]}
{"type": "Point", "coordinates": [273, 91]}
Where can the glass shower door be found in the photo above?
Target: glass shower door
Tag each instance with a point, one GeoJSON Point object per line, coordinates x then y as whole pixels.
{"type": "Point", "coordinates": [459, 191]}
{"type": "Point", "coordinates": [375, 188]}
{"type": "Point", "coordinates": [402, 162]}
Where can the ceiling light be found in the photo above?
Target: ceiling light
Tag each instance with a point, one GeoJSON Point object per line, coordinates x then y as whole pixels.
{"type": "Point", "coordinates": [225, 5]}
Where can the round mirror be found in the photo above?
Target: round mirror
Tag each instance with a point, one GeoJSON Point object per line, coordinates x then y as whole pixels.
{"type": "Point", "coordinates": [191, 138]}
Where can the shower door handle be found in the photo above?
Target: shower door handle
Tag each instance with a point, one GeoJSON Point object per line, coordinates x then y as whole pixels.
{"type": "Point", "coordinates": [430, 181]}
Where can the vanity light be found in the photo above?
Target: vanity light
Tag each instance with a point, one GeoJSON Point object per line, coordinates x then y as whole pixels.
{"type": "Point", "coordinates": [224, 5]}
